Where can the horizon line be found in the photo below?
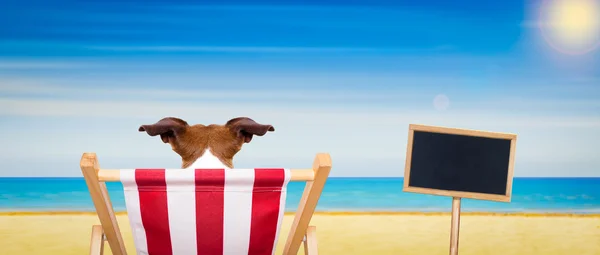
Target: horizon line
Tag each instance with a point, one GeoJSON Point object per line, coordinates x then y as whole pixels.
{"type": "Point", "coordinates": [341, 213]}
{"type": "Point", "coordinates": [330, 177]}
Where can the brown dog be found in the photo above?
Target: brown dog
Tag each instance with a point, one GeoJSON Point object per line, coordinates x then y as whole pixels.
{"type": "Point", "coordinates": [211, 146]}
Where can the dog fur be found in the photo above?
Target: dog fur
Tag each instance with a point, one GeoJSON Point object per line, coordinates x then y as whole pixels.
{"type": "Point", "coordinates": [211, 146]}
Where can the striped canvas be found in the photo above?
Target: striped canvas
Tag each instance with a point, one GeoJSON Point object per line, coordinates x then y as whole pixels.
{"type": "Point", "coordinates": [205, 211]}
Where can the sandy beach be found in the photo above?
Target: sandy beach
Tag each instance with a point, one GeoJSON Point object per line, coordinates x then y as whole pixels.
{"type": "Point", "coordinates": [346, 233]}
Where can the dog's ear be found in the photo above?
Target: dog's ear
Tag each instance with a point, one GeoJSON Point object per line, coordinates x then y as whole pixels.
{"type": "Point", "coordinates": [245, 128]}
{"type": "Point", "coordinates": [168, 128]}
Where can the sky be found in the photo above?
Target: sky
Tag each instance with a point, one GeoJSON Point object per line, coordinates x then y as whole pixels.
{"type": "Point", "coordinates": [343, 77]}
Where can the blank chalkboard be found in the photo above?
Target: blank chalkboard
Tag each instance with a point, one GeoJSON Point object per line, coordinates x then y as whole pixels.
{"type": "Point", "coordinates": [459, 163]}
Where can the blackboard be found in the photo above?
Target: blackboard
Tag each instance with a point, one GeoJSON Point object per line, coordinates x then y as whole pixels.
{"type": "Point", "coordinates": [459, 163]}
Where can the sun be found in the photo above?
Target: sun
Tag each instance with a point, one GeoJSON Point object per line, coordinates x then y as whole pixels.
{"type": "Point", "coordinates": [571, 26]}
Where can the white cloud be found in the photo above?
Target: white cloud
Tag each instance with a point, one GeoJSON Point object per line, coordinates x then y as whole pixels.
{"type": "Point", "coordinates": [269, 91]}
{"type": "Point", "coordinates": [549, 24]}
{"type": "Point", "coordinates": [236, 49]}
{"type": "Point", "coordinates": [262, 49]}
{"type": "Point", "coordinates": [36, 88]}
{"type": "Point", "coordinates": [263, 7]}
{"type": "Point", "coordinates": [27, 64]}
{"type": "Point", "coordinates": [532, 104]}
{"type": "Point", "coordinates": [151, 109]}
{"type": "Point", "coordinates": [58, 123]}
{"type": "Point", "coordinates": [539, 24]}
{"type": "Point", "coordinates": [357, 139]}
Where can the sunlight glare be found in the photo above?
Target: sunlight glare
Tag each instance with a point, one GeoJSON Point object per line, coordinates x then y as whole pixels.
{"type": "Point", "coordinates": [571, 26]}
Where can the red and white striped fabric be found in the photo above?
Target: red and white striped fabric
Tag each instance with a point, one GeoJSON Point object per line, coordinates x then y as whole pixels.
{"type": "Point", "coordinates": [205, 211]}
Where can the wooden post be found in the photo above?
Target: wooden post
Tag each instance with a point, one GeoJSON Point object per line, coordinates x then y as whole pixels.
{"type": "Point", "coordinates": [308, 204]}
{"type": "Point", "coordinates": [455, 226]}
{"type": "Point", "coordinates": [90, 167]}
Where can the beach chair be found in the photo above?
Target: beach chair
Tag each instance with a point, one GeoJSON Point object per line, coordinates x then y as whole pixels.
{"type": "Point", "coordinates": [205, 211]}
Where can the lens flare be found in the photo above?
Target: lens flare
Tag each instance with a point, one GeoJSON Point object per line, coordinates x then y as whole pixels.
{"type": "Point", "coordinates": [441, 102]}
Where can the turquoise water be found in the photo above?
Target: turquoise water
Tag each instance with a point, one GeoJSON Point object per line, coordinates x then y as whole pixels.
{"type": "Point", "coordinates": [572, 195]}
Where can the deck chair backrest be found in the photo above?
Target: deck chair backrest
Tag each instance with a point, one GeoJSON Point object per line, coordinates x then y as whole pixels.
{"type": "Point", "coordinates": [315, 181]}
{"type": "Point", "coordinates": [206, 211]}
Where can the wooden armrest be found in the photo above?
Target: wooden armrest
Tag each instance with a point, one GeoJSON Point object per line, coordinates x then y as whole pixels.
{"type": "Point", "coordinates": [97, 242]}
{"type": "Point", "coordinates": [310, 241]}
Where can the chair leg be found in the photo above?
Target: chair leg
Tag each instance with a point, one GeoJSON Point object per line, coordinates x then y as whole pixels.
{"type": "Point", "coordinates": [310, 241]}
{"type": "Point", "coordinates": [97, 242]}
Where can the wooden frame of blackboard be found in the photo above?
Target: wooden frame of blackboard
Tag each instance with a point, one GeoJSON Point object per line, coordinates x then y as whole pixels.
{"type": "Point", "coordinates": [456, 131]}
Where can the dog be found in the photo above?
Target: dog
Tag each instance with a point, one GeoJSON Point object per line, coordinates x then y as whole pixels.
{"type": "Point", "coordinates": [211, 146]}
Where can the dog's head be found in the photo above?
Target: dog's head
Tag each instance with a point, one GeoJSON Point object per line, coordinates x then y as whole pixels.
{"type": "Point", "coordinates": [191, 142]}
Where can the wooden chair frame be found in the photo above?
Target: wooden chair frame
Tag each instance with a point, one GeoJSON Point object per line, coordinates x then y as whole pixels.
{"type": "Point", "coordinates": [109, 231]}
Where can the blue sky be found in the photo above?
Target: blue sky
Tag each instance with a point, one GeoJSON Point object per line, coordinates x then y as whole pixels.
{"type": "Point", "coordinates": [344, 77]}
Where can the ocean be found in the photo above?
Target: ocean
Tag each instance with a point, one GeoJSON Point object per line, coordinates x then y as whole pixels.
{"type": "Point", "coordinates": [547, 195]}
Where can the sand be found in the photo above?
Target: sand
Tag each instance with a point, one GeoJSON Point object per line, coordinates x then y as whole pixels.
{"type": "Point", "coordinates": [345, 234]}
